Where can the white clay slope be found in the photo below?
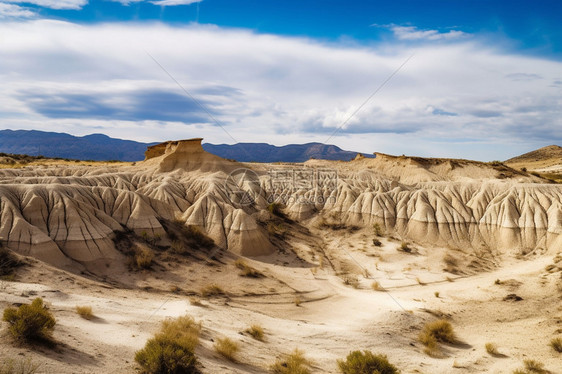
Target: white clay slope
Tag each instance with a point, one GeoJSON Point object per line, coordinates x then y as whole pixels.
{"type": "Point", "coordinates": [63, 215]}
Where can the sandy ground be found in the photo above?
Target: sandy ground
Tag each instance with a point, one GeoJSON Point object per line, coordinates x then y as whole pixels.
{"type": "Point", "coordinates": [332, 319]}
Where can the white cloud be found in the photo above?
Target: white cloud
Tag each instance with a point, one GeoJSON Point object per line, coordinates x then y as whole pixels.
{"type": "Point", "coordinates": [53, 4]}
{"type": "Point", "coordinates": [413, 33]}
{"type": "Point", "coordinates": [449, 100]}
{"type": "Point", "coordinates": [174, 2]}
{"type": "Point", "coordinates": [14, 11]}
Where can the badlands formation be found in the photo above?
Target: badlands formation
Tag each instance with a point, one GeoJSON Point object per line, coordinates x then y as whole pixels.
{"type": "Point", "coordinates": [441, 238]}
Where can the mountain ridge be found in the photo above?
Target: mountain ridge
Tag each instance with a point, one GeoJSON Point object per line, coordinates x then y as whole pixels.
{"type": "Point", "coordinates": [100, 147]}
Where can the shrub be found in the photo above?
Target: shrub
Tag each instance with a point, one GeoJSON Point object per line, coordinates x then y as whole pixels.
{"type": "Point", "coordinates": [297, 301]}
{"type": "Point", "coordinates": [378, 230]}
{"type": "Point", "coordinates": [172, 350]}
{"type": "Point", "coordinates": [556, 344]}
{"type": "Point", "coordinates": [256, 332]}
{"type": "Point", "coordinates": [492, 349]}
{"type": "Point", "coordinates": [21, 366]}
{"type": "Point", "coordinates": [85, 312]}
{"type": "Point", "coordinates": [292, 363]}
{"type": "Point", "coordinates": [376, 286]}
{"type": "Point", "coordinates": [195, 301]}
{"type": "Point", "coordinates": [30, 322]}
{"type": "Point", "coordinates": [227, 348]}
{"type": "Point", "coordinates": [212, 290]}
{"type": "Point", "coordinates": [405, 248]}
{"type": "Point", "coordinates": [246, 270]}
{"type": "Point", "coordinates": [198, 238]}
{"type": "Point", "coordinates": [143, 258]}
{"type": "Point", "coordinates": [534, 366]}
{"type": "Point", "coordinates": [440, 331]}
{"type": "Point", "coordinates": [366, 362]}
{"type": "Point", "coordinates": [351, 280]}
{"type": "Point", "coordinates": [8, 262]}
{"type": "Point", "coordinates": [275, 209]}
{"type": "Point", "coordinates": [436, 293]}
{"type": "Point", "coordinates": [377, 243]}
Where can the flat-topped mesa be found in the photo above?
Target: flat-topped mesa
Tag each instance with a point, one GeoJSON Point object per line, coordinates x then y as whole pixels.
{"type": "Point", "coordinates": [185, 154]}
{"type": "Point", "coordinates": [193, 145]}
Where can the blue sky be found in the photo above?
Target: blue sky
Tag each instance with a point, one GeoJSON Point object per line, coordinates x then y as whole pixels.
{"type": "Point", "coordinates": [483, 79]}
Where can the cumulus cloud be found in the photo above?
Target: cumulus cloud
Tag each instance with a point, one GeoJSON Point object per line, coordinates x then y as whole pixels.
{"type": "Point", "coordinates": [53, 4]}
{"type": "Point", "coordinates": [449, 100]}
{"type": "Point", "coordinates": [14, 11]}
{"type": "Point", "coordinates": [414, 34]}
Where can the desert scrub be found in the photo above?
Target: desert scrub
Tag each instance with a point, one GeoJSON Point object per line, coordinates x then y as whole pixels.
{"type": "Point", "coordinates": [227, 348]}
{"type": "Point", "coordinates": [377, 243]}
{"type": "Point", "coordinates": [292, 363]}
{"type": "Point", "coordinates": [172, 349]}
{"type": "Point", "coordinates": [556, 344]}
{"type": "Point", "coordinates": [404, 247]}
{"type": "Point", "coordinates": [8, 263]}
{"type": "Point", "coordinates": [212, 290]}
{"type": "Point", "coordinates": [376, 286]}
{"type": "Point", "coordinates": [20, 366]}
{"type": "Point", "coordinates": [378, 230]}
{"type": "Point", "coordinates": [351, 280]}
{"type": "Point", "coordinates": [366, 362]}
{"type": "Point", "coordinates": [30, 322]}
{"type": "Point", "coordinates": [532, 367]}
{"type": "Point", "coordinates": [492, 349]}
{"type": "Point", "coordinates": [433, 333]}
{"type": "Point", "coordinates": [246, 270]}
{"type": "Point", "coordinates": [85, 312]}
{"type": "Point", "coordinates": [197, 237]}
{"type": "Point", "coordinates": [256, 332]}
{"type": "Point", "coordinates": [143, 258]}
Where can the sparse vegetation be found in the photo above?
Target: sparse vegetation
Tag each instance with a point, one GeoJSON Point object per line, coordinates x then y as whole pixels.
{"type": "Point", "coordinates": [8, 263]}
{"type": "Point", "coordinates": [377, 243]}
{"type": "Point", "coordinates": [351, 280]}
{"type": "Point", "coordinates": [292, 363]}
{"type": "Point", "coordinates": [433, 333]}
{"type": "Point", "coordinates": [297, 300]}
{"type": "Point", "coordinates": [143, 258]}
{"type": "Point", "coordinates": [276, 210]}
{"type": "Point", "coordinates": [436, 293]}
{"type": "Point", "coordinates": [492, 349]}
{"type": "Point", "coordinates": [227, 348]}
{"type": "Point", "coordinates": [20, 366]}
{"type": "Point", "coordinates": [212, 290]}
{"type": "Point", "coordinates": [376, 286]}
{"type": "Point", "coordinates": [246, 270]}
{"type": "Point", "coordinates": [195, 301]}
{"type": "Point", "coordinates": [366, 362]}
{"type": "Point", "coordinates": [404, 247]}
{"type": "Point", "coordinates": [85, 312]}
{"type": "Point", "coordinates": [172, 350]}
{"type": "Point", "coordinates": [378, 230]}
{"type": "Point", "coordinates": [556, 344]}
{"type": "Point", "coordinates": [256, 332]}
{"type": "Point", "coordinates": [197, 237]}
{"type": "Point", "coordinates": [30, 322]}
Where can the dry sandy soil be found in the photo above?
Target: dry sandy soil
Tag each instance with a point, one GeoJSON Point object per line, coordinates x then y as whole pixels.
{"type": "Point", "coordinates": [473, 233]}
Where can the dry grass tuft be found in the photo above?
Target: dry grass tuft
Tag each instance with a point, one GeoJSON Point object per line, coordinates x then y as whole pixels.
{"type": "Point", "coordinates": [20, 366]}
{"type": "Point", "coordinates": [246, 270]}
{"type": "Point", "coordinates": [85, 312]}
{"type": "Point", "coordinates": [556, 344]}
{"type": "Point", "coordinates": [433, 333]}
{"type": "Point", "coordinates": [492, 349]}
{"type": "Point", "coordinates": [292, 363]}
{"type": "Point", "coordinates": [227, 348]}
{"type": "Point", "coordinates": [172, 350]}
{"type": "Point", "coordinates": [256, 332]}
{"type": "Point", "coordinates": [376, 286]}
{"type": "Point", "coordinates": [212, 290]}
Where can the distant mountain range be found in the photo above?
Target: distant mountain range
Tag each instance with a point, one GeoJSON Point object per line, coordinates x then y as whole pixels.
{"type": "Point", "coordinates": [101, 147]}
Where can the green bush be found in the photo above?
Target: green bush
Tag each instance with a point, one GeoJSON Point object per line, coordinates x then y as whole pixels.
{"type": "Point", "coordinates": [172, 350]}
{"type": "Point", "coordinates": [366, 362]}
{"type": "Point", "coordinates": [30, 322]}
